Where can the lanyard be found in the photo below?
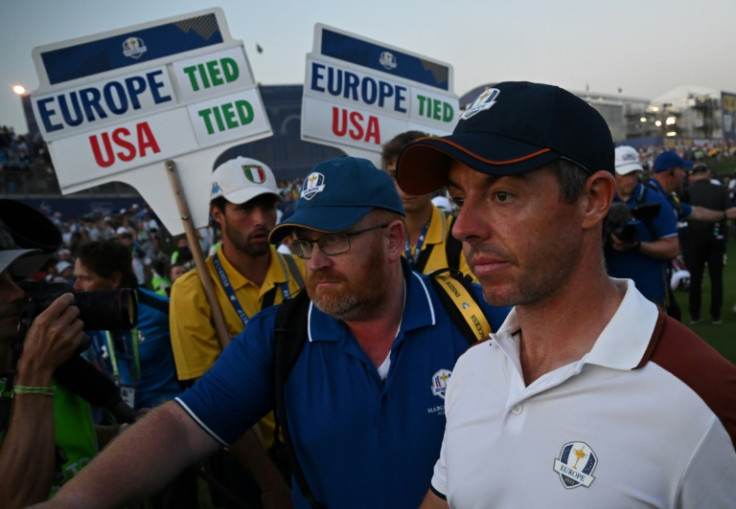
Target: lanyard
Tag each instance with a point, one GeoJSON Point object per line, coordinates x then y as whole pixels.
{"type": "Point", "coordinates": [134, 338]}
{"type": "Point", "coordinates": [234, 302]}
{"type": "Point", "coordinates": [420, 243]}
{"type": "Point", "coordinates": [230, 291]}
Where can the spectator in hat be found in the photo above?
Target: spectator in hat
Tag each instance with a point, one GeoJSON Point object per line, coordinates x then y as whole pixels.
{"type": "Point", "coordinates": [707, 242]}
{"type": "Point", "coordinates": [565, 404]}
{"type": "Point", "coordinates": [640, 248]}
{"type": "Point", "coordinates": [364, 397]}
{"type": "Point", "coordinates": [46, 431]}
{"type": "Point", "coordinates": [64, 272]}
{"type": "Point", "coordinates": [669, 174]}
{"type": "Point", "coordinates": [249, 275]}
{"type": "Point", "coordinates": [429, 245]}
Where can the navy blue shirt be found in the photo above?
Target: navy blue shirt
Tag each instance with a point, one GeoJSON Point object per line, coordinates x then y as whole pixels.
{"type": "Point", "coordinates": [649, 274]}
{"type": "Point", "coordinates": [361, 441]}
{"type": "Point", "coordinates": [682, 210]}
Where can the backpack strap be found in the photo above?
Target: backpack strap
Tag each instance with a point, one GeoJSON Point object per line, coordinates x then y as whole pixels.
{"type": "Point", "coordinates": [290, 336]}
{"type": "Point", "coordinates": [268, 298]}
{"type": "Point", "coordinates": [294, 270]}
{"type": "Point", "coordinates": [456, 293]}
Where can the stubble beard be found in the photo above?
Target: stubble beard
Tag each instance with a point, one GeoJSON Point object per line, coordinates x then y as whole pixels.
{"type": "Point", "coordinates": [356, 299]}
{"type": "Point", "coordinates": [244, 244]}
{"type": "Point", "coordinates": [531, 287]}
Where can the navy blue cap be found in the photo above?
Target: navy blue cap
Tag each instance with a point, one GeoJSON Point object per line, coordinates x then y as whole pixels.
{"type": "Point", "coordinates": [512, 128]}
{"type": "Point", "coordinates": [337, 194]}
{"type": "Point", "coordinates": [668, 160]}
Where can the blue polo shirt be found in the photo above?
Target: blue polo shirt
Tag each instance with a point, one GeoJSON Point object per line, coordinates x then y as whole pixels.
{"type": "Point", "coordinates": [157, 381]}
{"type": "Point", "coordinates": [649, 274]}
{"type": "Point", "coordinates": [682, 210]}
{"type": "Point", "coordinates": [360, 441]}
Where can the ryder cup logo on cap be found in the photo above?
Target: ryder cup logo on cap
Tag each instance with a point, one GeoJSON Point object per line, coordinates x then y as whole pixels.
{"type": "Point", "coordinates": [512, 128]}
{"type": "Point", "coordinates": [337, 194]}
{"type": "Point", "coordinates": [483, 102]}
{"type": "Point", "coordinates": [242, 179]}
{"type": "Point", "coordinates": [313, 184]}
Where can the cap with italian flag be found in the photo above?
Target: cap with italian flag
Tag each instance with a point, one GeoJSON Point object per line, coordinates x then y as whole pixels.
{"type": "Point", "coordinates": [241, 179]}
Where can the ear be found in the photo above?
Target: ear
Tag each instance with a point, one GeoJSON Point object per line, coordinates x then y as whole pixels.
{"type": "Point", "coordinates": [216, 214]}
{"type": "Point", "coordinates": [596, 198]}
{"type": "Point", "coordinates": [396, 235]}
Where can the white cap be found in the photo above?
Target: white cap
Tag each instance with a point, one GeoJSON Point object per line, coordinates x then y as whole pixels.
{"type": "Point", "coordinates": [627, 160]}
{"type": "Point", "coordinates": [242, 179]}
{"type": "Point", "coordinates": [443, 204]}
{"type": "Point", "coordinates": [62, 266]}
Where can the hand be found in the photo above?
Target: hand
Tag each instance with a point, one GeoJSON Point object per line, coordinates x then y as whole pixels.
{"type": "Point", "coordinates": [620, 245]}
{"type": "Point", "coordinates": [53, 337]}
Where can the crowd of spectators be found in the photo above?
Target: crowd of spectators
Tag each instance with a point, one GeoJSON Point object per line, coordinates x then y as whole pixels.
{"type": "Point", "coordinates": [25, 164]}
{"type": "Point", "coordinates": [26, 169]}
{"type": "Point", "coordinates": [158, 257]}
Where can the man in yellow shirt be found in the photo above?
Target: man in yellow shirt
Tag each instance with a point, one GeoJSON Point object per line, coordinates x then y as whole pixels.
{"type": "Point", "coordinates": [429, 243]}
{"type": "Point", "coordinates": [248, 273]}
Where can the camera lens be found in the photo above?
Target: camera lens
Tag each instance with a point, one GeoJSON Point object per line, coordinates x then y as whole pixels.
{"type": "Point", "coordinates": [107, 309]}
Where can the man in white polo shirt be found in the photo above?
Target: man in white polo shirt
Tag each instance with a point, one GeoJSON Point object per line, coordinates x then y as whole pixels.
{"type": "Point", "coordinates": [588, 395]}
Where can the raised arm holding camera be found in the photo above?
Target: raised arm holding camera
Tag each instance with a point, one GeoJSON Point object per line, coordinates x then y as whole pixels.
{"type": "Point", "coordinates": [47, 431]}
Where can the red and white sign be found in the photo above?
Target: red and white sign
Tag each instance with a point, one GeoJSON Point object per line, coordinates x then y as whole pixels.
{"type": "Point", "coordinates": [360, 93]}
{"type": "Point", "coordinates": [178, 89]}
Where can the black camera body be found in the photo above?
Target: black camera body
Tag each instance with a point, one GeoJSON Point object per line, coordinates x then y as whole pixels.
{"type": "Point", "coordinates": [622, 221]}
{"type": "Point", "coordinates": [99, 310]}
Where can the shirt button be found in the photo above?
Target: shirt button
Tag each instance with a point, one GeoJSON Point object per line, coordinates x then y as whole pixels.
{"type": "Point", "coordinates": [517, 409]}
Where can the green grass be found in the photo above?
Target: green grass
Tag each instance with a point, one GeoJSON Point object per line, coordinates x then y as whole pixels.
{"type": "Point", "coordinates": [721, 337]}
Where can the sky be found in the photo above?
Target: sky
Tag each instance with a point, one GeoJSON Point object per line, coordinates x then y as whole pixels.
{"type": "Point", "coordinates": [644, 48]}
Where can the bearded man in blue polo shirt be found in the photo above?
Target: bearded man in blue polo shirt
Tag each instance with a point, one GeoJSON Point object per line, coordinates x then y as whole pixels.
{"type": "Point", "coordinates": [365, 398]}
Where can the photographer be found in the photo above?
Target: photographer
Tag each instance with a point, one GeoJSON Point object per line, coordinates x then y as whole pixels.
{"type": "Point", "coordinates": [641, 255]}
{"type": "Point", "coordinates": [139, 360]}
{"type": "Point", "coordinates": [46, 431]}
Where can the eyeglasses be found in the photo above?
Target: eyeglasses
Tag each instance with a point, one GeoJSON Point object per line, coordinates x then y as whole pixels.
{"type": "Point", "coordinates": [332, 244]}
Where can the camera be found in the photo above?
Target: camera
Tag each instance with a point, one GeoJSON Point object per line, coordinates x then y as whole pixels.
{"type": "Point", "coordinates": [99, 310]}
{"type": "Point", "coordinates": [622, 221]}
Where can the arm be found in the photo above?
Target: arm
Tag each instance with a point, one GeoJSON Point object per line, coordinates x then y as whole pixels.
{"type": "Point", "coordinates": [710, 215]}
{"type": "Point", "coordinates": [666, 248]}
{"type": "Point", "coordinates": [139, 462]}
{"type": "Point", "coordinates": [432, 501]}
{"type": "Point", "coordinates": [661, 248]}
{"type": "Point", "coordinates": [29, 445]}
{"type": "Point", "coordinates": [192, 332]}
